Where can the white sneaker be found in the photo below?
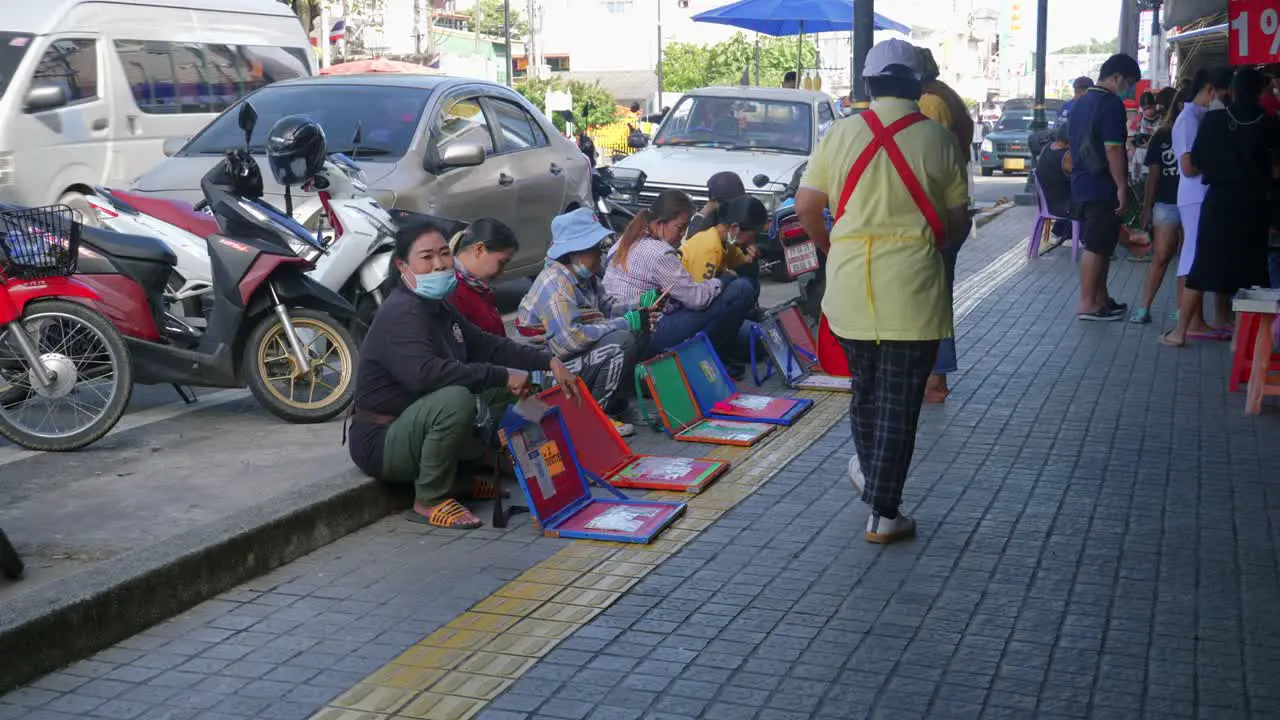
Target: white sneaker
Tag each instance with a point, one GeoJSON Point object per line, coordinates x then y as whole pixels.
{"type": "Point", "coordinates": [624, 429]}
{"type": "Point", "coordinates": [855, 474]}
{"type": "Point", "coordinates": [882, 530]}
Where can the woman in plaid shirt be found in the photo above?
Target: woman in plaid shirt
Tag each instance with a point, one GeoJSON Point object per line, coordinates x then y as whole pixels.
{"type": "Point", "coordinates": [567, 306]}
{"type": "Point", "coordinates": [646, 258]}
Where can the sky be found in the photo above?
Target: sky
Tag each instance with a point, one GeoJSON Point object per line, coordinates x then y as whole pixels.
{"type": "Point", "coordinates": [1077, 21]}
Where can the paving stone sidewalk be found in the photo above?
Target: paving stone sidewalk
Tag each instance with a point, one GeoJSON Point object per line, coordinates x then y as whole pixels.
{"type": "Point", "coordinates": [1095, 542]}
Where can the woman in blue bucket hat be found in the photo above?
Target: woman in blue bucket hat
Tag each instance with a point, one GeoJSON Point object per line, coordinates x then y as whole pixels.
{"type": "Point", "coordinates": [569, 307]}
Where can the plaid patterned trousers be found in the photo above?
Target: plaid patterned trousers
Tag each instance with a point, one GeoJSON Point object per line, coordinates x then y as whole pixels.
{"type": "Point", "coordinates": [888, 391]}
{"type": "Point", "coordinates": [607, 367]}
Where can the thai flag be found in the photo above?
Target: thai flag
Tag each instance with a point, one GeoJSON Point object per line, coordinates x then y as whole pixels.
{"type": "Point", "coordinates": [338, 32]}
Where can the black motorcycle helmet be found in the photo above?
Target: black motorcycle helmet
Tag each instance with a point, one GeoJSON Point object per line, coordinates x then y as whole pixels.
{"type": "Point", "coordinates": [295, 149]}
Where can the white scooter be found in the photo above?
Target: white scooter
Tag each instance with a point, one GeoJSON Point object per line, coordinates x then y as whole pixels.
{"type": "Point", "coordinates": [358, 236]}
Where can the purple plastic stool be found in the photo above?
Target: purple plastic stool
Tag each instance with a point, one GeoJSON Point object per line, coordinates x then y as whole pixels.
{"type": "Point", "coordinates": [1044, 216]}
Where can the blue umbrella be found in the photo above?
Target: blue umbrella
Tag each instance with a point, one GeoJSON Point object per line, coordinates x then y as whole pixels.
{"type": "Point", "coordinates": [792, 17]}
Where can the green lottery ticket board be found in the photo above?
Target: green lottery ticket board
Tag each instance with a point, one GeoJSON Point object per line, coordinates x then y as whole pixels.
{"type": "Point", "coordinates": [681, 415]}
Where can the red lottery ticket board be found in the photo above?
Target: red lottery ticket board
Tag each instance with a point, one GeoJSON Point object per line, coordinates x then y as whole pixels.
{"type": "Point", "coordinates": [605, 454]}
{"type": "Point", "coordinates": [555, 486]}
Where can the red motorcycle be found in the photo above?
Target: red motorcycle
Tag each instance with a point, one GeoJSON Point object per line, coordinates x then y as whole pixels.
{"type": "Point", "coordinates": [65, 376]}
{"type": "Point", "coordinates": [268, 325]}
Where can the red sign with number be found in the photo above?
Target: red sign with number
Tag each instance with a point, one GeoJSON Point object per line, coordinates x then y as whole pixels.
{"type": "Point", "coordinates": [1254, 31]}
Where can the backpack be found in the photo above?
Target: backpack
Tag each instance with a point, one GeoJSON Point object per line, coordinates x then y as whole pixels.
{"type": "Point", "coordinates": [1089, 153]}
{"type": "Point", "coordinates": [636, 139]}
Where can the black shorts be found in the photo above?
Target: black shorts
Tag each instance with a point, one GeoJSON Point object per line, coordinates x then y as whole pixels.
{"type": "Point", "coordinates": [1099, 226]}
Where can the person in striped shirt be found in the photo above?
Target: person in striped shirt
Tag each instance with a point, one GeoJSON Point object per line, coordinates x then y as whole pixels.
{"type": "Point", "coordinates": [646, 259]}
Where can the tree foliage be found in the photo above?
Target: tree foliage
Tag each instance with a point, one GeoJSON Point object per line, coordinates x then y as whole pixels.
{"type": "Point", "coordinates": [490, 20]}
{"type": "Point", "coordinates": [306, 10]}
{"type": "Point", "coordinates": [686, 66]}
{"type": "Point", "coordinates": [1093, 47]}
{"type": "Point", "coordinates": [590, 101]}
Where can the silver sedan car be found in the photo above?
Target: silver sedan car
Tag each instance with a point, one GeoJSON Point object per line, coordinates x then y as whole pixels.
{"type": "Point", "coordinates": [443, 146]}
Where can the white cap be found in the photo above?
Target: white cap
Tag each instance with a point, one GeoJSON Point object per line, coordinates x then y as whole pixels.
{"type": "Point", "coordinates": [891, 52]}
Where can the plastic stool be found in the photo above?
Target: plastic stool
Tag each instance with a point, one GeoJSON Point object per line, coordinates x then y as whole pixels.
{"type": "Point", "coordinates": [1254, 361]}
{"type": "Point", "coordinates": [1045, 220]}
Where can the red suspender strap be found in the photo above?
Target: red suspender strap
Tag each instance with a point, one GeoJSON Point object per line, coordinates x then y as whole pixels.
{"type": "Point", "coordinates": [883, 137]}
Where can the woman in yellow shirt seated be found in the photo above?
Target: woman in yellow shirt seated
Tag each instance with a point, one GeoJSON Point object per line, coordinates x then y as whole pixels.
{"type": "Point", "coordinates": [727, 246]}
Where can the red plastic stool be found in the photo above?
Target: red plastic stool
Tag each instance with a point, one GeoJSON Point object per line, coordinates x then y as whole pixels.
{"type": "Point", "coordinates": [1253, 341]}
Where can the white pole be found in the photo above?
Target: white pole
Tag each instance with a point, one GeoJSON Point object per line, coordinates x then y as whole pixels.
{"type": "Point", "coordinates": [342, 44]}
{"type": "Point", "coordinates": [324, 35]}
{"type": "Point", "coordinates": [1157, 62]}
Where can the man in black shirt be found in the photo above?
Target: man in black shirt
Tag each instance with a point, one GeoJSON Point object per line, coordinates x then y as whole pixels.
{"type": "Point", "coordinates": [427, 375]}
{"type": "Point", "coordinates": [1053, 173]}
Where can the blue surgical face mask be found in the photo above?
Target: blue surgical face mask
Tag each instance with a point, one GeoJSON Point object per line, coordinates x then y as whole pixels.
{"type": "Point", "coordinates": [435, 285]}
{"type": "Point", "coordinates": [582, 271]}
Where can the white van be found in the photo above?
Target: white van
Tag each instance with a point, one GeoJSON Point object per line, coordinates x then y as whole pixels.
{"type": "Point", "coordinates": [91, 89]}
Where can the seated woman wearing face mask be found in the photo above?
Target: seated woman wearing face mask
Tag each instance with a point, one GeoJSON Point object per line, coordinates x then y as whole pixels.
{"type": "Point", "coordinates": [645, 262]}
{"type": "Point", "coordinates": [568, 305]}
{"type": "Point", "coordinates": [426, 376]}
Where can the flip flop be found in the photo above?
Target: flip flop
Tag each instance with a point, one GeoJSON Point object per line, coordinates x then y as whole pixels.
{"type": "Point", "coordinates": [1218, 335]}
{"type": "Point", "coordinates": [448, 514]}
{"type": "Point", "coordinates": [1167, 342]}
{"type": "Point", "coordinates": [1103, 315]}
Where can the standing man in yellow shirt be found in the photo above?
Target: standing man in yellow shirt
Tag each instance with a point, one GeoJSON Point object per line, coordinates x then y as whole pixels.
{"type": "Point", "coordinates": [940, 103]}
{"type": "Point", "coordinates": [895, 185]}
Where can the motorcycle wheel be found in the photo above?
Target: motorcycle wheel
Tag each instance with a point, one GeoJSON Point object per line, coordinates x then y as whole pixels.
{"type": "Point", "coordinates": [96, 356]}
{"type": "Point", "coordinates": [272, 373]}
{"type": "Point", "coordinates": [10, 563]}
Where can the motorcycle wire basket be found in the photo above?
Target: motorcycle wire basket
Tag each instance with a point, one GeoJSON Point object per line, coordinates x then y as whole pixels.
{"type": "Point", "coordinates": [39, 242]}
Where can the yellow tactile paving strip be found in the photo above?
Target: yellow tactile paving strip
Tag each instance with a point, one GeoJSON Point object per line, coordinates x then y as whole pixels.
{"type": "Point", "coordinates": [455, 671]}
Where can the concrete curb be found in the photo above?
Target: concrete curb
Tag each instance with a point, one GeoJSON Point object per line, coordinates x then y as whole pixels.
{"type": "Point", "coordinates": [984, 218]}
{"type": "Point", "coordinates": [83, 613]}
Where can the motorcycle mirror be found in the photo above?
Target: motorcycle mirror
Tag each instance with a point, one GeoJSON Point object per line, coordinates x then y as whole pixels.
{"type": "Point", "coordinates": [760, 180]}
{"type": "Point", "coordinates": [248, 118]}
{"type": "Point", "coordinates": [355, 140]}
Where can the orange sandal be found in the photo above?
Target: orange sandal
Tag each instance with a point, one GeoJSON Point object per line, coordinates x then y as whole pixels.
{"type": "Point", "coordinates": [448, 514]}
